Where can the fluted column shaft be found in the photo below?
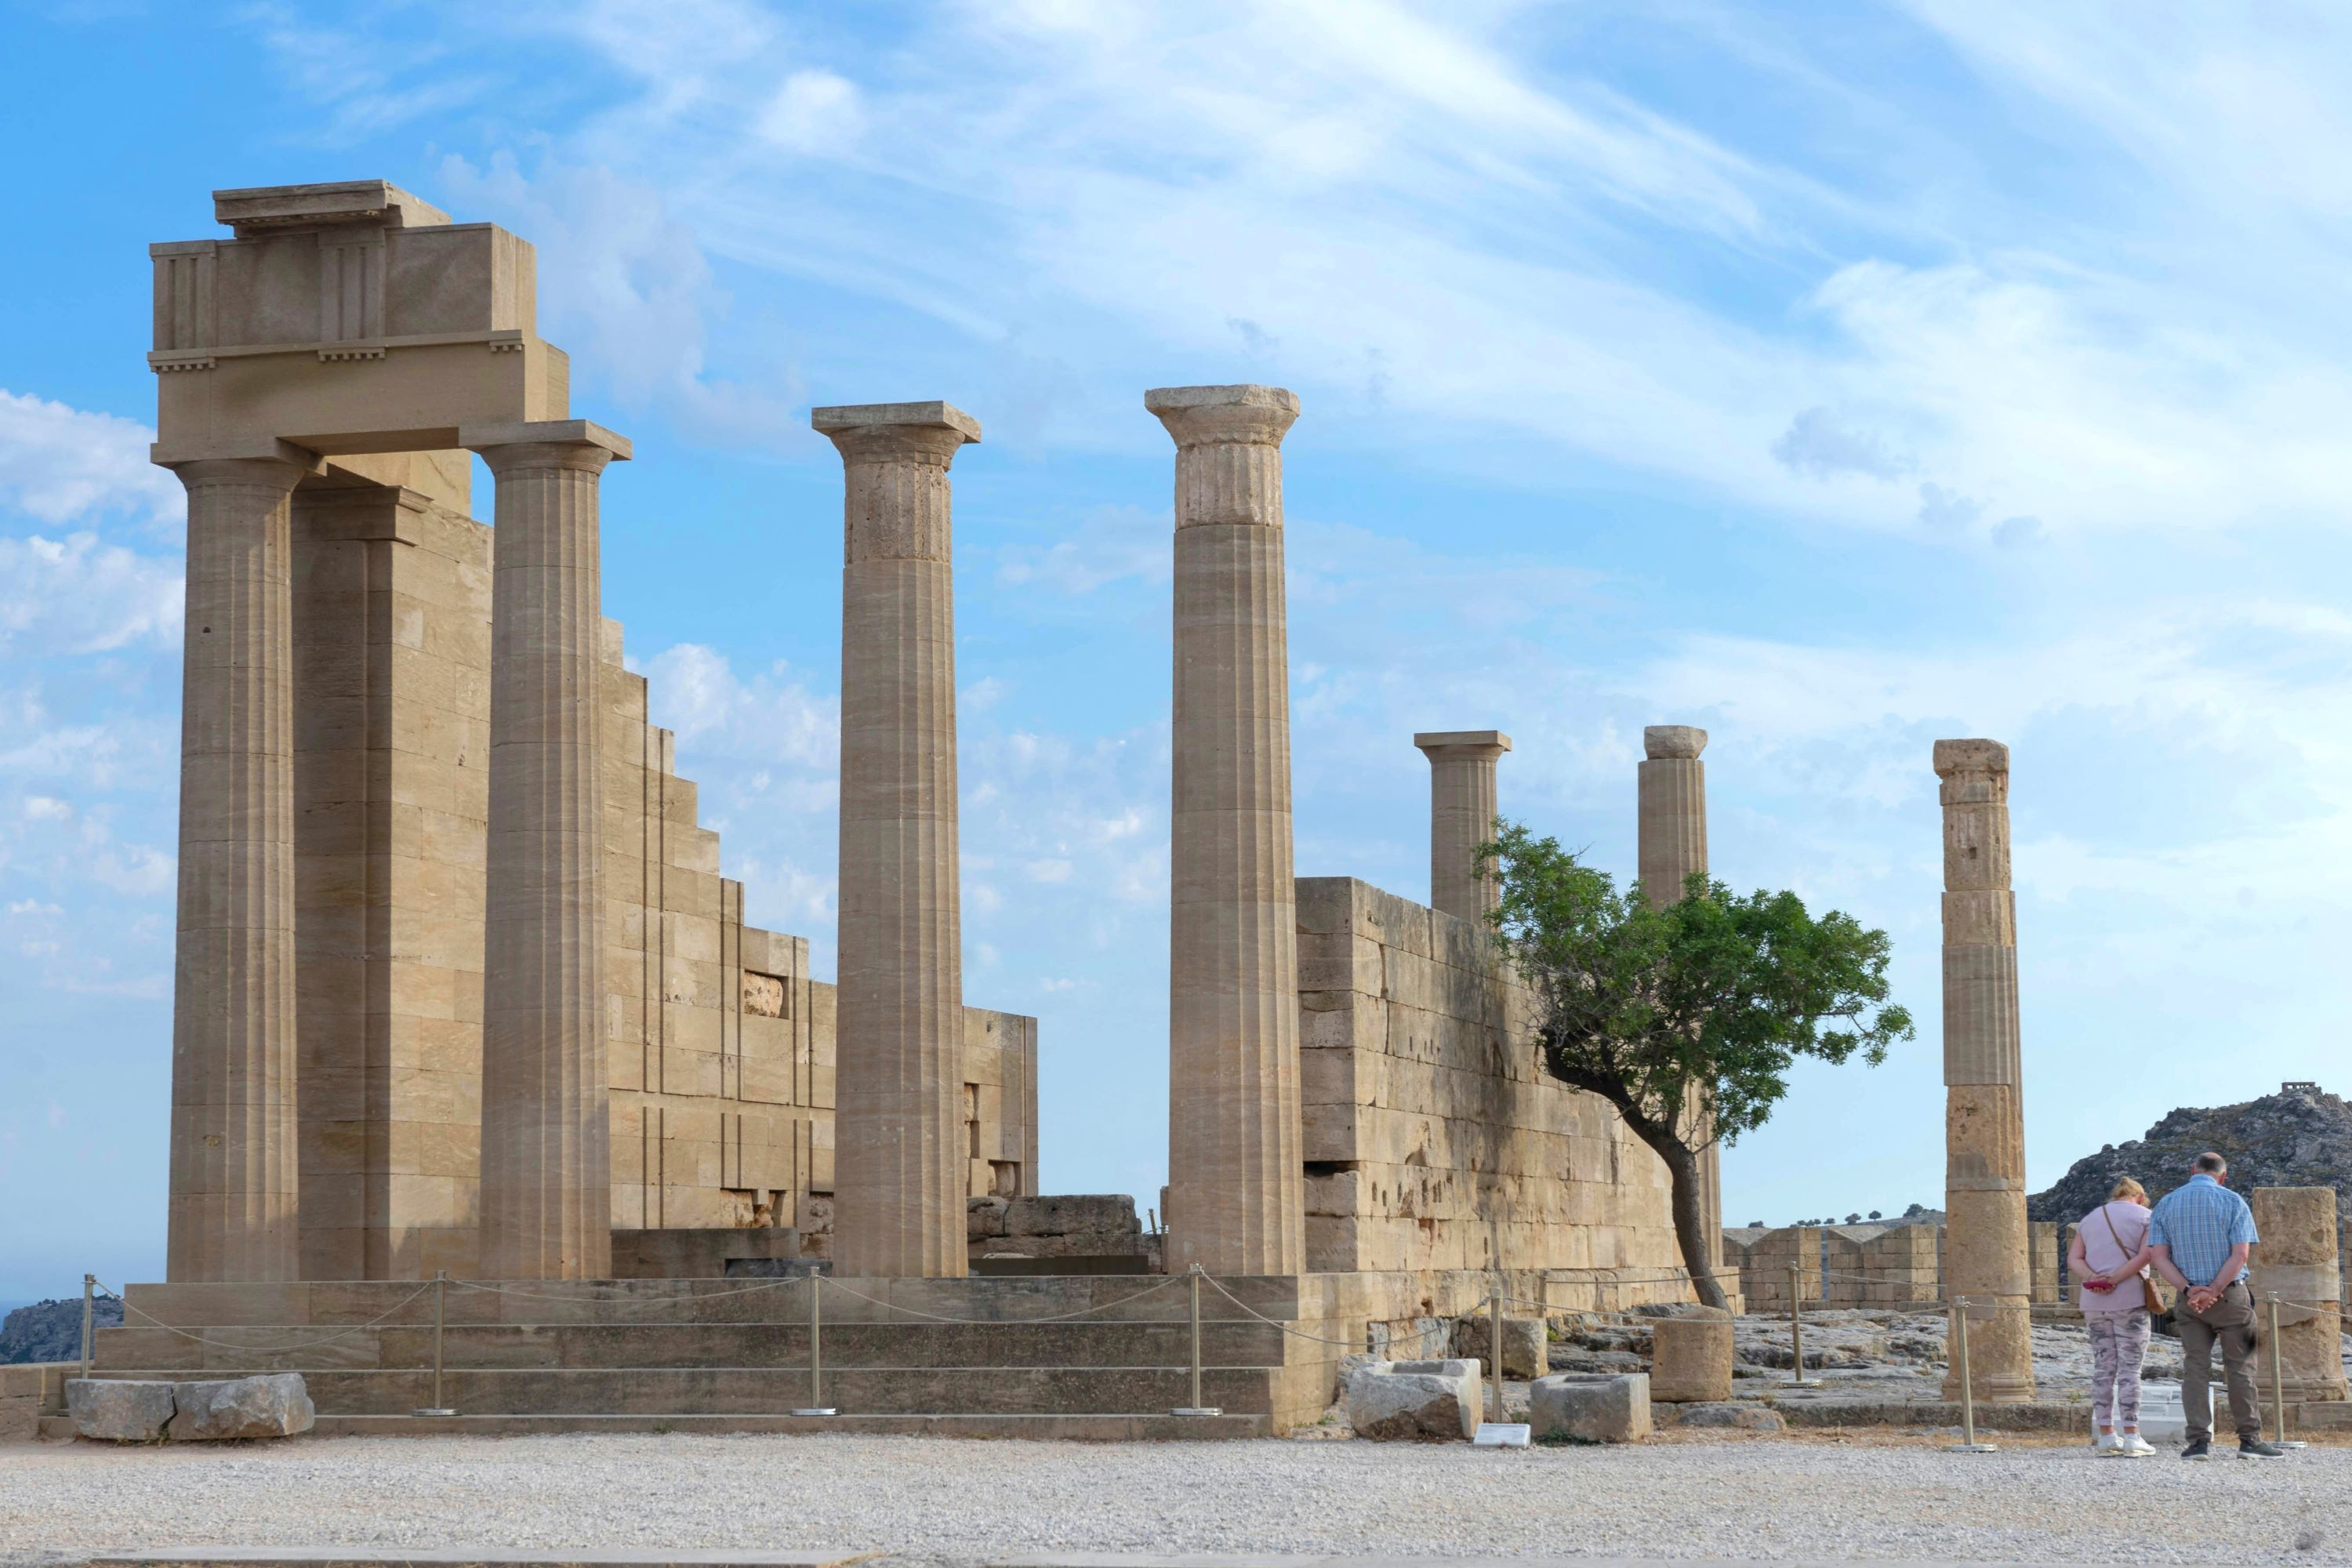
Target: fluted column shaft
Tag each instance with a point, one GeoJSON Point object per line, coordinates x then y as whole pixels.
{"type": "Point", "coordinates": [900, 1170]}
{"type": "Point", "coordinates": [1986, 1239]}
{"type": "Point", "coordinates": [1671, 845]}
{"type": "Point", "coordinates": [1235, 1182]}
{"type": "Point", "coordinates": [546, 1160]}
{"type": "Point", "coordinates": [233, 1152]}
{"type": "Point", "coordinates": [1461, 817]}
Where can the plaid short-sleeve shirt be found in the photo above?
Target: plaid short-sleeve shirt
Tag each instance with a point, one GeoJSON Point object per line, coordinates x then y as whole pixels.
{"type": "Point", "coordinates": [2201, 1220]}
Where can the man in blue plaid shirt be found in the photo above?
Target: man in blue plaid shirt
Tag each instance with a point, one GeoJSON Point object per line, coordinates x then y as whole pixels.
{"type": "Point", "coordinates": [2200, 1234]}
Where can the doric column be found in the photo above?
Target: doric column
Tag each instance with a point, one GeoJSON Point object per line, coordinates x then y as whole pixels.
{"type": "Point", "coordinates": [2298, 1259]}
{"type": "Point", "coordinates": [1671, 845]}
{"type": "Point", "coordinates": [900, 1167]}
{"type": "Point", "coordinates": [546, 1162]}
{"type": "Point", "coordinates": [1235, 1182]}
{"type": "Point", "coordinates": [1461, 817]}
{"type": "Point", "coordinates": [1987, 1256]}
{"type": "Point", "coordinates": [233, 1149]}
{"type": "Point", "coordinates": [1671, 809]}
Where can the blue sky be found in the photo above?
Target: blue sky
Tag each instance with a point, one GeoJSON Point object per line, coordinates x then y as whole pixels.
{"type": "Point", "coordinates": [1835, 377]}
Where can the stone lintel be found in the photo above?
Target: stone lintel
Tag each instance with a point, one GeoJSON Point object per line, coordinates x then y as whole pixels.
{"type": "Point", "coordinates": [1462, 742]}
{"type": "Point", "coordinates": [852, 417]}
{"type": "Point", "coordinates": [1956, 757]}
{"type": "Point", "coordinates": [281, 208]}
{"type": "Point", "coordinates": [252, 449]}
{"type": "Point", "coordinates": [1681, 742]}
{"type": "Point", "coordinates": [578, 432]}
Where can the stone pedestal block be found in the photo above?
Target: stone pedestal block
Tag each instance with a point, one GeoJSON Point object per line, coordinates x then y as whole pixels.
{"type": "Point", "coordinates": [1236, 1195]}
{"type": "Point", "coordinates": [1691, 1358]}
{"type": "Point", "coordinates": [1590, 1407]}
{"type": "Point", "coordinates": [2298, 1259]}
{"type": "Point", "coordinates": [1420, 1401]}
{"type": "Point", "coordinates": [899, 1171]}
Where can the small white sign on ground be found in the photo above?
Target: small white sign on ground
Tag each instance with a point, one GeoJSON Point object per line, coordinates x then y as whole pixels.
{"type": "Point", "coordinates": [1501, 1435]}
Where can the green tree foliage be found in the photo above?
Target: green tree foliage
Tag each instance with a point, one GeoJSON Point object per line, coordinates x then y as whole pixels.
{"type": "Point", "coordinates": [1687, 1016]}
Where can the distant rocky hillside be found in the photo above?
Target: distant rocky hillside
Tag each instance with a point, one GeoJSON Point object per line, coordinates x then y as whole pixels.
{"type": "Point", "coordinates": [51, 1330]}
{"type": "Point", "coordinates": [2298, 1137]}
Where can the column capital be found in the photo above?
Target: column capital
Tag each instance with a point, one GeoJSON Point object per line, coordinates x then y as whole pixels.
{"type": "Point", "coordinates": [265, 452]}
{"type": "Point", "coordinates": [1247, 415]}
{"type": "Point", "coordinates": [1958, 758]}
{"type": "Point", "coordinates": [1448, 746]}
{"type": "Point", "coordinates": [902, 432]}
{"type": "Point", "coordinates": [1673, 742]}
{"type": "Point", "coordinates": [545, 444]}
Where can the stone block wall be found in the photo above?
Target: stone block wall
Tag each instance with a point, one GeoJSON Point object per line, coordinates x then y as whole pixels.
{"type": "Point", "coordinates": [1061, 1226]}
{"type": "Point", "coordinates": [1765, 1279]}
{"type": "Point", "coordinates": [1426, 1114]}
{"type": "Point", "coordinates": [2042, 1244]}
{"type": "Point", "coordinates": [1903, 1266]}
{"type": "Point", "coordinates": [1845, 1263]}
{"type": "Point", "coordinates": [719, 1043]}
{"type": "Point", "coordinates": [392, 643]}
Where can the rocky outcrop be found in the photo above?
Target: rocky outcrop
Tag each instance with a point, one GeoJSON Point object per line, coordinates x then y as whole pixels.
{"type": "Point", "coordinates": [2298, 1137]}
{"type": "Point", "coordinates": [51, 1330]}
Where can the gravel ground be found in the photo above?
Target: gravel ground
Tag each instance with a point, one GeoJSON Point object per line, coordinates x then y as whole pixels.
{"type": "Point", "coordinates": [965, 1502]}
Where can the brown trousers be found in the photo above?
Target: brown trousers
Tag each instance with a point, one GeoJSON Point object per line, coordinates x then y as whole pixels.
{"type": "Point", "coordinates": [2229, 1322]}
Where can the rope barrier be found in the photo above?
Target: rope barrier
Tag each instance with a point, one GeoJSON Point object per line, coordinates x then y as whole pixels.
{"type": "Point", "coordinates": [268, 1350]}
{"type": "Point", "coordinates": [1165, 1281]}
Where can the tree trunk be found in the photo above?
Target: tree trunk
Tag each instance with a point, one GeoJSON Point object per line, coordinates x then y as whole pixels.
{"type": "Point", "coordinates": [1690, 1214]}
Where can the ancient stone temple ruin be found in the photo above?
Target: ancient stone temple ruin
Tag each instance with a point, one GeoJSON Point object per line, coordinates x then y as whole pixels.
{"type": "Point", "coordinates": [463, 989]}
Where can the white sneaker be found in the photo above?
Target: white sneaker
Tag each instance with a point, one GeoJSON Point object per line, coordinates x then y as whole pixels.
{"type": "Point", "coordinates": [2132, 1445]}
{"type": "Point", "coordinates": [2106, 1442]}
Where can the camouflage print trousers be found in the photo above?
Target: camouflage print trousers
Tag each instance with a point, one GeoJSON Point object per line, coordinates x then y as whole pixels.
{"type": "Point", "coordinates": [2118, 1344]}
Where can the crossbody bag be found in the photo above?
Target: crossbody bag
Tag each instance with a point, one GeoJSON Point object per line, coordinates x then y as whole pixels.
{"type": "Point", "coordinates": [2154, 1303]}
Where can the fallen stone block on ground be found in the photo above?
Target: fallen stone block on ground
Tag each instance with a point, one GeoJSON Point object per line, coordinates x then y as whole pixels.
{"type": "Point", "coordinates": [109, 1411]}
{"type": "Point", "coordinates": [1420, 1401]}
{"type": "Point", "coordinates": [1590, 1407]}
{"type": "Point", "coordinates": [276, 1405]}
{"type": "Point", "coordinates": [1742, 1414]}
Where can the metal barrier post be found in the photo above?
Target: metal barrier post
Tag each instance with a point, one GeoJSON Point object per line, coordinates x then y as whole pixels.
{"type": "Point", "coordinates": [2278, 1378]}
{"type": "Point", "coordinates": [88, 1287]}
{"type": "Point", "coordinates": [1497, 1316]}
{"type": "Point", "coordinates": [1196, 1407]}
{"type": "Point", "coordinates": [440, 1297]}
{"type": "Point", "coordinates": [1968, 1443]}
{"type": "Point", "coordinates": [816, 1405]}
{"type": "Point", "coordinates": [1797, 1378]}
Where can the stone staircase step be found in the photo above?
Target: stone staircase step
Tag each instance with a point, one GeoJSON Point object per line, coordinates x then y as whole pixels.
{"type": "Point", "coordinates": [775, 1391]}
{"type": "Point", "coordinates": [470, 1557]}
{"type": "Point", "coordinates": [1099, 1428]}
{"type": "Point", "coordinates": [575, 1346]}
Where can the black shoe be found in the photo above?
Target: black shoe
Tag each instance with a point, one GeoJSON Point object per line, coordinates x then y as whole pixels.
{"type": "Point", "coordinates": [2255, 1448]}
{"type": "Point", "coordinates": [2202, 1448]}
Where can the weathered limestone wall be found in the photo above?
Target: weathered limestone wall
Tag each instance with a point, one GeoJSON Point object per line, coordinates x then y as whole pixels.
{"type": "Point", "coordinates": [719, 1046]}
{"type": "Point", "coordinates": [723, 1046]}
{"type": "Point", "coordinates": [1426, 1114]}
{"type": "Point", "coordinates": [391, 605]}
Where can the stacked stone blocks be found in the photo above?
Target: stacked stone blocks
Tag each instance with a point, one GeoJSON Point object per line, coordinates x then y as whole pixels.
{"type": "Point", "coordinates": [1427, 1113]}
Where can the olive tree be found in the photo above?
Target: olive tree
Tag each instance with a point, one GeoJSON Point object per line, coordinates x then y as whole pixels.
{"type": "Point", "coordinates": [1686, 1017]}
